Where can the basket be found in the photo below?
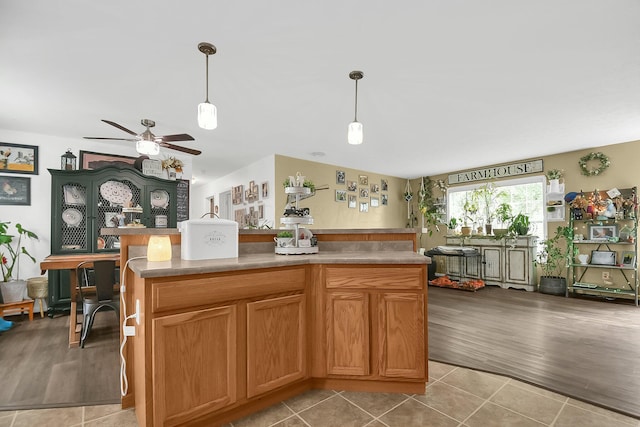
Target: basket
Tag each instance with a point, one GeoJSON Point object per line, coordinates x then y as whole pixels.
{"type": "Point", "coordinates": [38, 287]}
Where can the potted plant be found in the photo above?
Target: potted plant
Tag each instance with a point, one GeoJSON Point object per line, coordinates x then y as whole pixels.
{"type": "Point", "coordinates": [519, 225]}
{"type": "Point", "coordinates": [10, 250]}
{"type": "Point", "coordinates": [503, 214]}
{"type": "Point", "coordinates": [470, 210]}
{"type": "Point", "coordinates": [553, 259]}
{"type": "Point", "coordinates": [487, 196]}
{"type": "Point", "coordinates": [554, 176]}
{"type": "Point", "coordinates": [284, 239]}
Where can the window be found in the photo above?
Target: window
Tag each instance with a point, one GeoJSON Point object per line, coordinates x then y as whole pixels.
{"type": "Point", "coordinates": [525, 195]}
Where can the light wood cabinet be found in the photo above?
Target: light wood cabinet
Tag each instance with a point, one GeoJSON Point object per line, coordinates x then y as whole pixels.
{"type": "Point", "coordinates": [276, 343]}
{"type": "Point", "coordinates": [348, 333]}
{"type": "Point", "coordinates": [375, 322]}
{"type": "Point", "coordinates": [194, 364]}
{"type": "Point", "coordinates": [401, 334]}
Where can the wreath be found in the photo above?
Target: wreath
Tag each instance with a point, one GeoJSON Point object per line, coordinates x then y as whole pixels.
{"type": "Point", "coordinates": [601, 157]}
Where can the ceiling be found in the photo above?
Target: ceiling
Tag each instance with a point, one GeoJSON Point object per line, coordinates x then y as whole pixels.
{"type": "Point", "coordinates": [448, 84]}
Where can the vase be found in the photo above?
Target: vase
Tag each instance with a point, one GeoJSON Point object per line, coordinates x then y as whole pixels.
{"type": "Point", "coordinates": [554, 186]}
{"type": "Point", "coordinates": [13, 290]}
{"type": "Point", "coordinates": [466, 231]}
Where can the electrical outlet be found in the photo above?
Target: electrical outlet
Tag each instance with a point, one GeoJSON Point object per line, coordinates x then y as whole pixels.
{"type": "Point", "coordinates": [605, 275]}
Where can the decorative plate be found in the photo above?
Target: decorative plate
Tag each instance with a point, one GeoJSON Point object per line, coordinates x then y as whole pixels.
{"type": "Point", "coordinates": [72, 217]}
{"type": "Point", "coordinates": [115, 192]}
{"type": "Point", "coordinates": [159, 199]}
{"type": "Point", "coordinates": [74, 195]}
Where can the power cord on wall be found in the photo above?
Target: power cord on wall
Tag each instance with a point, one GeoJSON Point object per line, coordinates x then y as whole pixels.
{"type": "Point", "coordinates": [124, 384]}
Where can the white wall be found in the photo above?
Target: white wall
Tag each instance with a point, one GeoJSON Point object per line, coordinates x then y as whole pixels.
{"type": "Point", "coordinates": [37, 217]}
{"type": "Point", "coordinates": [261, 171]}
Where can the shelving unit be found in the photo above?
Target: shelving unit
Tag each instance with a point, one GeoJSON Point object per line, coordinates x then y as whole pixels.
{"type": "Point", "coordinates": [294, 195]}
{"type": "Point", "coordinates": [555, 201]}
{"type": "Point", "coordinates": [618, 280]}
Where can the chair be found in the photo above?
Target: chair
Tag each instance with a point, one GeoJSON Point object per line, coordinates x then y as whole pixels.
{"type": "Point", "coordinates": [96, 282]}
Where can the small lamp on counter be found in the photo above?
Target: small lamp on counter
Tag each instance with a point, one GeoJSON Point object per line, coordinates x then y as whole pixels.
{"type": "Point", "coordinates": [68, 161]}
{"type": "Point", "coordinates": [159, 248]}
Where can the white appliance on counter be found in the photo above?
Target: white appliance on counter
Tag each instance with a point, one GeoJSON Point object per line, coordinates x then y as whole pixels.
{"type": "Point", "coordinates": [208, 238]}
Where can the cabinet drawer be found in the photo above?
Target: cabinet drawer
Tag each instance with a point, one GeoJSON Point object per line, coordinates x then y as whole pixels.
{"type": "Point", "coordinates": [181, 292]}
{"type": "Point", "coordinates": [368, 277]}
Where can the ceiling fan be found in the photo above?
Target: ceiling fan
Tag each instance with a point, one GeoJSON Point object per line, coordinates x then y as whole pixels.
{"type": "Point", "coordinates": [148, 143]}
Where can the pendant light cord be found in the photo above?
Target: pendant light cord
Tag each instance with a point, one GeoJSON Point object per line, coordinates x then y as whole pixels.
{"type": "Point", "coordinates": [355, 118]}
{"type": "Point", "coordinates": [207, 78]}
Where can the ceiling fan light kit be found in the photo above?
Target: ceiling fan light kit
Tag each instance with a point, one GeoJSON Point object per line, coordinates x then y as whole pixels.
{"type": "Point", "coordinates": [207, 112]}
{"type": "Point", "coordinates": [355, 135]}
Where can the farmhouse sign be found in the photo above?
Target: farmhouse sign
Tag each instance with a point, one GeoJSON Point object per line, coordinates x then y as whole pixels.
{"type": "Point", "coordinates": [493, 172]}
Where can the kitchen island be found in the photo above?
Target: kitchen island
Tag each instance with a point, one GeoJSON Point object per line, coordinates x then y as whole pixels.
{"type": "Point", "coordinates": [220, 339]}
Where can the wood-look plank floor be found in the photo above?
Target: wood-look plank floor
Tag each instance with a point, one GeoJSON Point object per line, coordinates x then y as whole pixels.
{"type": "Point", "coordinates": [588, 349]}
{"type": "Point", "coordinates": [38, 370]}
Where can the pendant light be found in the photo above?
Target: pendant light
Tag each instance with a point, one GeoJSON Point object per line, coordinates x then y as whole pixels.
{"type": "Point", "coordinates": [355, 134]}
{"type": "Point", "coordinates": [207, 112]}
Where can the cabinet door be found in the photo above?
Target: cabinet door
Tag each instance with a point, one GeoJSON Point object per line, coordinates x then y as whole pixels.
{"type": "Point", "coordinates": [401, 335]}
{"type": "Point", "coordinates": [518, 265]}
{"type": "Point", "coordinates": [194, 364]}
{"type": "Point", "coordinates": [160, 199]}
{"type": "Point", "coordinates": [276, 343]}
{"type": "Point", "coordinates": [492, 267]}
{"type": "Point", "coordinates": [347, 315]}
{"type": "Point", "coordinates": [70, 216]}
{"type": "Point", "coordinates": [111, 196]}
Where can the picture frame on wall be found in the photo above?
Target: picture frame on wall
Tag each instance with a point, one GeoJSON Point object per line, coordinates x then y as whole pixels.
{"type": "Point", "coordinates": [363, 179]}
{"type": "Point", "coordinates": [265, 189]}
{"type": "Point", "coordinates": [364, 207]}
{"type": "Point", "coordinates": [384, 185]}
{"type": "Point", "coordinates": [384, 199]}
{"type": "Point", "coordinates": [375, 202]}
{"type": "Point", "coordinates": [15, 191]}
{"type": "Point", "coordinates": [92, 160]}
{"type": "Point", "coordinates": [352, 186]}
{"type": "Point", "coordinates": [18, 158]}
{"type": "Point", "coordinates": [341, 195]}
{"type": "Point", "coordinates": [353, 201]}
{"type": "Point", "coordinates": [237, 194]}
{"type": "Point", "coordinates": [364, 192]}
{"type": "Point", "coordinates": [340, 177]}
{"type": "Point", "coordinates": [375, 188]}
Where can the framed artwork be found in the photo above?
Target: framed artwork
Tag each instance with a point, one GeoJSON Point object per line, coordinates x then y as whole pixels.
{"type": "Point", "coordinates": [364, 192]}
{"type": "Point", "coordinates": [237, 195]}
{"type": "Point", "coordinates": [15, 191]}
{"type": "Point", "coordinates": [18, 158]}
{"type": "Point", "coordinates": [239, 216]}
{"type": "Point", "coordinates": [265, 189]}
{"type": "Point", "coordinates": [375, 188]}
{"type": "Point", "coordinates": [353, 201]}
{"type": "Point", "coordinates": [251, 194]}
{"type": "Point", "coordinates": [384, 199]}
{"type": "Point", "coordinates": [602, 232]}
{"type": "Point", "coordinates": [352, 186]}
{"type": "Point", "coordinates": [603, 257]}
{"type": "Point", "coordinates": [363, 179]}
{"type": "Point", "coordinates": [384, 185]}
{"type": "Point", "coordinates": [92, 160]}
{"type": "Point", "coordinates": [261, 211]}
{"type": "Point", "coordinates": [375, 202]}
{"type": "Point", "coordinates": [341, 195]}
{"type": "Point", "coordinates": [340, 177]}
{"type": "Point", "coordinates": [364, 207]}
{"type": "Point", "coordinates": [628, 259]}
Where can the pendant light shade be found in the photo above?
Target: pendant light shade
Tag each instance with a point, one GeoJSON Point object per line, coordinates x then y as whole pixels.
{"type": "Point", "coordinates": [207, 112]}
{"type": "Point", "coordinates": [355, 135]}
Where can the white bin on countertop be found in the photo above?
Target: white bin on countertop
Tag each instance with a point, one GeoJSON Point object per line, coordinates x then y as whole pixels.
{"type": "Point", "coordinates": [208, 238]}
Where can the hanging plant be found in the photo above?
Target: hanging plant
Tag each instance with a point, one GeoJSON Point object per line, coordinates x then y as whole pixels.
{"type": "Point", "coordinates": [601, 157]}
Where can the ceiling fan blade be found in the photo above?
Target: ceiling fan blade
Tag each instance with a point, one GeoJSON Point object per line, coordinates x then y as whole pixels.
{"type": "Point", "coordinates": [178, 148]}
{"type": "Point", "coordinates": [112, 139]}
{"type": "Point", "coordinates": [130, 132]}
{"type": "Point", "coordinates": [176, 137]}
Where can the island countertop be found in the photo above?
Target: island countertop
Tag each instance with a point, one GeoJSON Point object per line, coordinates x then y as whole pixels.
{"type": "Point", "coordinates": [180, 267]}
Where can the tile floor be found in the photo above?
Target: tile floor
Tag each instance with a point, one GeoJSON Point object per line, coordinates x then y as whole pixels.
{"type": "Point", "coordinates": [455, 397]}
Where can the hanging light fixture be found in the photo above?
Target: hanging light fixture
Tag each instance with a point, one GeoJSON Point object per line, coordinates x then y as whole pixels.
{"type": "Point", "coordinates": [207, 112]}
{"type": "Point", "coordinates": [355, 134]}
{"type": "Point", "coordinates": [147, 143]}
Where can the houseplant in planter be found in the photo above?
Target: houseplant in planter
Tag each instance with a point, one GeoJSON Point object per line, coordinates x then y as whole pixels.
{"type": "Point", "coordinates": [519, 225]}
{"type": "Point", "coordinates": [13, 289]}
{"type": "Point", "coordinates": [553, 259]}
{"type": "Point", "coordinates": [488, 196]}
{"type": "Point", "coordinates": [470, 211]}
{"type": "Point", "coordinates": [503, 215]}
